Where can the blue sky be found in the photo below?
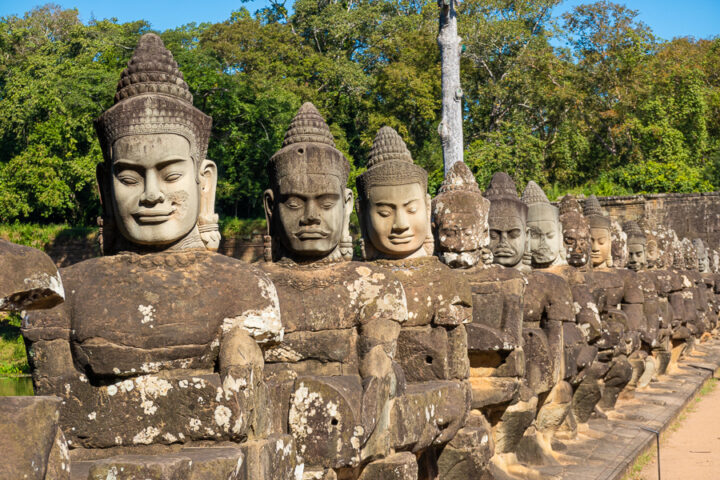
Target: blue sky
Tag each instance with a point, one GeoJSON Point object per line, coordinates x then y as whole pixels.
{"type": "Point", "coordinates": [667, 18]}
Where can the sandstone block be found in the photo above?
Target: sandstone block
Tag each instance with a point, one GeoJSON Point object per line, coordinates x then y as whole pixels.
{"type": "Point", "coordinates": [400, 466]}
{"type": "Point", "coordinates": [325, 420]}
{"type": "Point", "coordinates": [31, 442]}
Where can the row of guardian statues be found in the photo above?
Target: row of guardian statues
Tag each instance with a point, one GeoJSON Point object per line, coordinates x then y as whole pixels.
{"type": "Point", "coordinates": [479, 331]}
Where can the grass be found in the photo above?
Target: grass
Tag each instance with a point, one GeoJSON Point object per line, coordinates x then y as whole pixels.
{"type": "Point", "coordinates": [42, 236]}
{"type": "Point", "coordinates": [241, 227]}
{"type": "Point", "coordinates": [649, 455]}
{"type": "Point", "coordinates": [13, 360]}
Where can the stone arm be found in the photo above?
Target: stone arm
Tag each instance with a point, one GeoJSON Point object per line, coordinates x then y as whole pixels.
{"type": "Point", "coordinates": [47, 340]}
{"type": "Point", "coordinates": [382, 378]}
{"type": "Point", "coordinates": [632, 304]}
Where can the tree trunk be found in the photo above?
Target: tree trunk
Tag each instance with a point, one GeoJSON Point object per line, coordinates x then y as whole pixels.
{"type": "Point", "coordinates": [450, 128]}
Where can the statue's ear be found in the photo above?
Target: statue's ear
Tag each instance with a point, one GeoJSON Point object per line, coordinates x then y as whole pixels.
{"type": "Point", "coordinates": [103, 181]}
{"type": "Point", "coordinates": [208, 185]}
{"type": "Point", "coordinates": [349, 203]}
{"type": "Point", "coordinates": [269, 205]}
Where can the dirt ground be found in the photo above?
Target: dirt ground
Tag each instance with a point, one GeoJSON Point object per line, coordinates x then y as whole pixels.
{"type": "Point", "coordinates": [691, 449]}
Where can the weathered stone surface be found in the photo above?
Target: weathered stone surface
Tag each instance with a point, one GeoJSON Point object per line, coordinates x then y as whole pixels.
{"type": "Point", "coordinates": [325, 420]}
{"type": "Point", "coordinates": [400, 466]}
{"type": "Point", "coordinates": [514, 421]}
{"type": "Point", "coordinates": [488, 391]}
{"type": "Point", "coordinates": [324, 346]}
{"type": "Point", "coordinates": [497, 308]}
{"type": "Point", "coordinates": [428, 412]}
{"type": "Point", "coordinates": [467, 454]}
{"type": "Point", "coordinates": [131, 467]}
{"type": "Point", "coordinates": [29, 280]}
{"type": "Point", "coordinates": [423, 353]}
{"type": "Point", "coordinates": [210, 463]}
{"type": "Point", "coordinates": [32, 443]}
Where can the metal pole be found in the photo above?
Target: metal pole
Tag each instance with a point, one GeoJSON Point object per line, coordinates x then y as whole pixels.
{"type": "Point", "coordinates": [657, 441]}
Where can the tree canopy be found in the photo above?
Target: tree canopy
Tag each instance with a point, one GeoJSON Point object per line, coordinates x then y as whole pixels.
{"type": "Point", "coordinates": [592, 102]}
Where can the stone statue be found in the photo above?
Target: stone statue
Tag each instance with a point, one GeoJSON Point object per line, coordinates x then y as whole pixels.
{"type": "Point", "coordinates": [30, 437]}
{"type": "Point", "coordinates": [702, 254]}
{"type": "Point", "coordinates": [394, 214]}
{"type": "Point", "coordinates": [309, 228]}
{"type": "Point", "coordinates": [614, 288]}
{"type": "Point", "coordinates": [600, 234]}
{"type": "Point", "coordinates": [335, 373]}
{"type": "Point", "coordinates": [507, 222]}
{"type": "Point", "coordinates": [547, 301]}
{"type": "Point", "coordinates": [159, 343]}
{"type": "Point", "coordinates": [546, 241]}
{"type": "Point", "coordinates": [29, 281]}
{"type": "Point", "coordinates": [637, 243]}
{"type": "Point", "coordinates": [459, 218]}
{"type": "Point", "coordinates": [494, 337]}
{"type": "Point", "coordinates": [654, 334]}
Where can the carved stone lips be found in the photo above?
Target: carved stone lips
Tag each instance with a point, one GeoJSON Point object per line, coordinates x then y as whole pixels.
{"type": "Point", "coordinates": [152, 216]}
{"type": "Point", "coordinates": [400, 239]}
{"type": "Point", "coordinates": [312, 234]}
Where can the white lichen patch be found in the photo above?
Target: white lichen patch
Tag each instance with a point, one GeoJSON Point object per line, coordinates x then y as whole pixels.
{"type": "Point", "coordinates": [222, 417]}
{"type": "Point", "coordinates": [146, 436]}
{"type": "Point", "coordinates": [195, 424]}
{"type": "Point", "coordinates": [264, 324]}
{"type": "Point", "coordinates": [92, 415]}
{"type": "Point", "coordinates": [170, 438]}
{"type": "Point", "coordinates": [147, 312]}
{"type": "Point", "coordinates": [282, 353]}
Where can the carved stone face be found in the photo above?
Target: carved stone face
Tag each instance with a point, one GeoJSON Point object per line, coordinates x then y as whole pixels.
{"type": "Point", "coordinates": [636, 257]}
{"type": "Point", "coordinates": [154, 190]}
{"type": "Point", "coordinates": [652, 254]}
{"type": "Point", "coordinates": [507, 239]}
{"type": "Point", "coordinates": [311, 210]}
{"type": "Point", "coordinates": [601, 246]}
{"type": "Point", "coordinates": [461, 236]}
{"type": "Point", "coordinates": [545, 241]}
{"type": "Point", "coordinates": [577, 246]}
{"type": "Point", "coordinates": [703, 260]}
{"type": "Point", "coordinates": [397, 218]}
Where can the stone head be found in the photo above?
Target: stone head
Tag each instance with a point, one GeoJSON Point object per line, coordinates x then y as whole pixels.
{"type": "Point", "coordinates": [715, 263]}
{"type": "Point", "coordinates": [637, 246]}
{"type": "Point", "coordinates": [157, 188]}
{"type": "Point", "coordinates": [460, 219]}
{"type": "Point", "coordinates": [702, 255]}
{"type": "Point", "coordinates": [678, 252]}
{"type": "Point", "coordinates": [507, 221]}
{"type": "Point", "coordinates": [576, 232]}
{"type": "Point", "coordinates": [690, 254]}
{"type": "Point", "coordinates": [394, 206]}
{"type": "Point", "coordinates": [619, 248]}
{"type": "Point", "coordinates": [308, 206]}
{"type": "Point", "coordinates": [545, 241]}
{"type": "Point", "coordinates": [600, 233]}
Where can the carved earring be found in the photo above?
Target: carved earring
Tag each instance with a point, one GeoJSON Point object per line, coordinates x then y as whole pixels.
{"type": "Point", "coordinates": [267, 248]}
{"type": "Point", "coordinates": [346, 247]}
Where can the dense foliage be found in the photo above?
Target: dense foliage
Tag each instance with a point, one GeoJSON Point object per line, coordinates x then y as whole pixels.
{"type": "Point", "coordinates": [589, 102]}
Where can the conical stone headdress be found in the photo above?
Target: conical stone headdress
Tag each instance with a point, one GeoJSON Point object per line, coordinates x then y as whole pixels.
{"type": "Point", "coordinates": [153, 98]}
{"type": "Point", "coordinates": [569, 203]}
{"type": "Point", "coordinates": [308, 148]}
{"type": "Point", "coordinates": [634, 233]}
{"type": "Point", "coordinates": [595, 214]}
{"type": "Point", "coordinates": [538, 204]}
{"type": "Point", "coordinates": [504, 200]}
{"type": "Point", "coordinates": [459, 193]}
{"type": "Point", "coordinates": [390, 163]}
